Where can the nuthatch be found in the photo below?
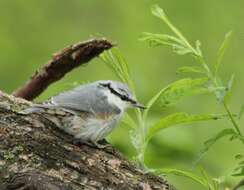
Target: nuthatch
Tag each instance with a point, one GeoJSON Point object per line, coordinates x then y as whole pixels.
{"type": "Point", "coordinates": [94, 109]}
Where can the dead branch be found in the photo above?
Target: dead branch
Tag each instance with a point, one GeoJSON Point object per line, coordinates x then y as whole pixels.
{"type": "Point", "coordinates": [61, 63]}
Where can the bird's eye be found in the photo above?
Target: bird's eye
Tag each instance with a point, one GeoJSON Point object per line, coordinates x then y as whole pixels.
{"type": "Point", "coordinates": [123, 97]}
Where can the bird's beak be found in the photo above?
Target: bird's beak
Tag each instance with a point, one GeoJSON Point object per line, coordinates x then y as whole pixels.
{"type": "Point", "coordinates": [138, 105]}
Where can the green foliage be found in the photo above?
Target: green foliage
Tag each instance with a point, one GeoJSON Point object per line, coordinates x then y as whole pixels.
{"type": "Point", "coordinates": [182, 88]}
{"type": "Point", "coordinates": [141, 132]}
{"type": "Point", "coordinates": [223, 133]}
{"type": "Point", "coordinates": [212, 183]}
{"type": "Point", "coordinates": [241, 112]}
{"type": "Point", "coordinates": [116, 62]}
{"type": "Point", "coordinates": [166, 171]}
{"type": "Point", "coordinates": [178, 42]}
{"type": "Point", "coordinates": [32, 51]}
{"type": "Point", "coordinates": [204, 179]}
{"type": "Point", "coordinates": [221, 51]}
{"type": "Point", "coordinates": [221, 92]}
{"type": "Point", "coordinates": [177, 90]}
{"type": "Point", "coordinates": [239, 170]}
{"type": "Point", "coordinates": [215, 85]}
{"type": "Point", "coordinates": [168, 96]}
{"type": "Point", "coordinates": [176, 119]}
{"type": "Point", "coordinates": [188, 69]}
{"type": "Point", "coordinates": [210, 142]}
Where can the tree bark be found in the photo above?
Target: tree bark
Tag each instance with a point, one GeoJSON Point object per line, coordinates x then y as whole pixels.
{"type": "Point", "coordinates": [36, 155]}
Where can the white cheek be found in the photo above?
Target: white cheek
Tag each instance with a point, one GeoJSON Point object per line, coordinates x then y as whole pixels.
{"type": "Point", "coordinates": [117, 101]}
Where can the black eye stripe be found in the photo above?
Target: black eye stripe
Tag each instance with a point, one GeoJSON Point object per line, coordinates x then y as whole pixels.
{"type": "Point", "coordinates": [122, 97]}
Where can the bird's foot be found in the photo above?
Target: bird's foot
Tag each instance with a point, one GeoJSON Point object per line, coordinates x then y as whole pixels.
{"type": "Point", "coordinates": [102, 144]}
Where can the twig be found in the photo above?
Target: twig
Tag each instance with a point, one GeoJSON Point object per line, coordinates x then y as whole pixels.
{"type": "Point", "coordinates": [61, 63]}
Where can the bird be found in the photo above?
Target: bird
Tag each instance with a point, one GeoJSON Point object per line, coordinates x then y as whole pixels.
{"type": "Point", "coordinates": [90, 111]}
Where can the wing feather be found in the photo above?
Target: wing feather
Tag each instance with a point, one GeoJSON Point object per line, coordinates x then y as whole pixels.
{"type": "Point", "coordinates": [85, 98]}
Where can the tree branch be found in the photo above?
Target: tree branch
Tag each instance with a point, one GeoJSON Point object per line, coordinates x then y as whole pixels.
{"type": "Point", "coordinates": [61, 63]}
{"type": "Point", "coordinates": [36, 155]}
{"type": "Point", "coordinates": [34, 181]}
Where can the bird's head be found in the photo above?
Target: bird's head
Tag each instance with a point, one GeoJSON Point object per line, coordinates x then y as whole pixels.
{"type": "Point", "coordinates": [119, 94]}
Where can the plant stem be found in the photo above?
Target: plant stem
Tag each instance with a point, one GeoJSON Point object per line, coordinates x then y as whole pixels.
{"type": "Point", "coordinates": [180, 36]}
{"type": "Point", "coordinates": [235, 124]}
{"type": "Point", "coordinates": [213, 80]}
{"type": "Point", "coordinates": [142, 132]}
{"type": "Point", "coordinates": [143, 137]}
{"type": "Point", "coordinates": [199, 57]}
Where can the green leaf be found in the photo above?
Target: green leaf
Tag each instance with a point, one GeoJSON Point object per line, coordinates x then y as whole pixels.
{"type": "Point", "coordinates": [212, 184]}
{"type": "Point", "coordinates": [188, 69]}
{"type": "Point", "coordinates": [210, 142]}
{"type": "Point", "coordinates": [135, 137]}
{"type": "Point", "coordinates": [181, 50]}
{"type": "Point", "coordinates": [182, 173]}
{"type": "Point", "coordinates": [110, 61]}
{"type": "Point", "coordinates": [222, 50]}
{"type": "Point", "coordinates": [158, 12]}
{"type": "Point", "coordinates": [198, 47]}
{"type": "Point", "coordinates": [178, 118]}
{"type": "Point", "coordinates": [204, 180]}
{"type": "Point", "coordinates": [182, 88]}
{"type": "Point", "coordinates": [239, 170]}
{"type": "Point", "coordinates": [239, 156]}
{"type": "Point", "coordinates": [160, 39]}
{"type": "Point", "coordinates": [223, 93]}
{"type": "Point", "coordinates": [229, 88]}
{"type": "Point", "coordinates": [219, 92]}
{"type": "Point", "coordinates": [117, 63]}
{"type": "Point", "coordinates": [177, 44]}
{"type": "Point", "coordinates": [184, 46]}
{"type": "Point", "coordinates": [176, 90]}
{"type": "Point", "coordinates": [241, 112]}
{"type": "Point", "coordinates": [152, 101]}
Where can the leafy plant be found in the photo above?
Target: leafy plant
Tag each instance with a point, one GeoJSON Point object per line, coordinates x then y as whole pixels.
{"type": "Point", "coordinates": [182, 46]}
{"type": "Point", "coordinates": [239, 170]}
{"type": "Point", "coordinates": [204, 179]}
{"type": "Point", "coordinates": [141, 133]}
{"type": "Point", "coordinates": [211, 82]}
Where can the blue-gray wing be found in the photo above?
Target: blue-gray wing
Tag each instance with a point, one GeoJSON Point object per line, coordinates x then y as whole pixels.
{"type": "Point", "coordinates": [85, 98]}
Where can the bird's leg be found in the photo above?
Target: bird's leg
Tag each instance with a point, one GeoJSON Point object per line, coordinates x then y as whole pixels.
{"type": "Point", "coordinates": [102, 144]}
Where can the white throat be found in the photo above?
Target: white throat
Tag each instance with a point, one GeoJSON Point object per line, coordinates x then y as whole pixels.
{"type": "Point", "coordinates": [113, 99]}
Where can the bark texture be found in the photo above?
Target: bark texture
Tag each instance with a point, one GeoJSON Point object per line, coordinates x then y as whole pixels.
{"type": "Point", "coordinates": [36, 155]}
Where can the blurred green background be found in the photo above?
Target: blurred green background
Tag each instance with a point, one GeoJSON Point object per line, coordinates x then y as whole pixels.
{"type": "Point", "coordinates": [31, 31]}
